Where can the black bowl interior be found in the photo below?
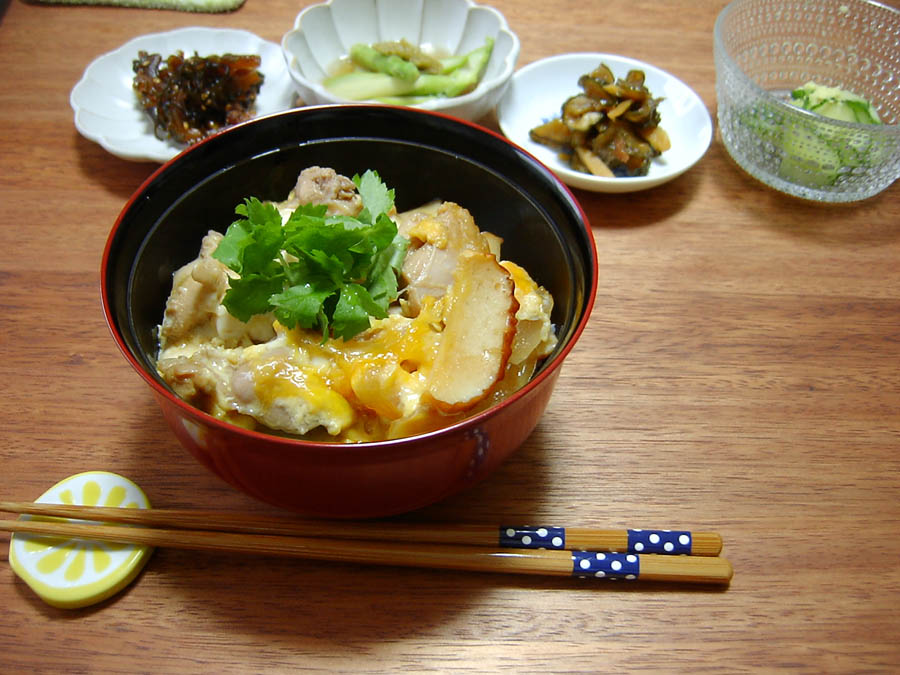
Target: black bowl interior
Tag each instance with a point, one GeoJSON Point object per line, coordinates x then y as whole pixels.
{"type": "Point", "coordinates": [422, 156]}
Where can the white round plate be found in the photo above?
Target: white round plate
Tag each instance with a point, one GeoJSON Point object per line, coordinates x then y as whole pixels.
{"type": "Point", "coordinates": [537, 92]}
{"type": "Point", "coordinates": [106, 107]}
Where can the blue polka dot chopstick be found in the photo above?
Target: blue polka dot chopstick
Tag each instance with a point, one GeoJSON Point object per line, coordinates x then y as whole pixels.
{"type": "Point", "coordinates": [585, 564]}
{"type": "Point", "coordinates": [663, 542]}
{"type": "Point", "coordinates": [658, 555]}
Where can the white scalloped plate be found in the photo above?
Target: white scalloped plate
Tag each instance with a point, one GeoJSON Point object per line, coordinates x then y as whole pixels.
{"type": "Point", "coordinates": [106, 108]}
{"type": "Point", "coordinates": [537, 92]}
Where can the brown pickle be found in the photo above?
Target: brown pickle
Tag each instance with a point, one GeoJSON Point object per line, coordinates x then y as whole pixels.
{"type": "Point", "coordinates": [190, 98]}
{"type": "Point", "coordinates": [611, 129]}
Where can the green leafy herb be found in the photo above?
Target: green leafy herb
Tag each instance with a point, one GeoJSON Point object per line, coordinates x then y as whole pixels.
{"type": "Point", "coordinates": [323, 272]}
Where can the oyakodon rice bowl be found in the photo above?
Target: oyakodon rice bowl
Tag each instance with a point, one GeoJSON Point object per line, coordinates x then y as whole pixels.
{"type": "Point", "coordinates": [372, 329]}
{"type": "Point", "coordinates": [484, 187]}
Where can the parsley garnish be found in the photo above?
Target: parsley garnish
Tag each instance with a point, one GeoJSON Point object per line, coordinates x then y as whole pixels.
{"type": "Point", "coordinates": [329, 273]}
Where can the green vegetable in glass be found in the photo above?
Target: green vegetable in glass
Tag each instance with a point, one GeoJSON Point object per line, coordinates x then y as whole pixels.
{"type": "Point", "coordinates": [816, 156]}
{"type": "Point", "coordinates": [812, 152]}
{"type": "Point", "coordinates": [834, 103]}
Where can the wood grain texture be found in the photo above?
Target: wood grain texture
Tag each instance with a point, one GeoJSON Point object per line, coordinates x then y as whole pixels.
{"type": "Point", "coordinates": [739, 375]}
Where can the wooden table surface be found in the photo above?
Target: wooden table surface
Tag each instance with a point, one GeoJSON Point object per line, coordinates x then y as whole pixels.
{"type": "Point", "coordinates": [740, 373]}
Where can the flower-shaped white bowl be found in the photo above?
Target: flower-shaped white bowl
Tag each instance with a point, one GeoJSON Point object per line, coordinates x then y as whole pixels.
{"type": "Point", "coordinates": [324, 33]}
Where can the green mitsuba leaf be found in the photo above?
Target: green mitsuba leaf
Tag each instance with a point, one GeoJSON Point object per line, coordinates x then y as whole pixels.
{"type": "Point", "coordinates": [328, 273]}
{"type": "Point", "coordinates": [302, 304]}
{"type": "Point", "coordinates": [351, 314]}
{"type": "Point", "coordinates": [376, 197]}
{"type": "Point", "coordinates": [250, 295]}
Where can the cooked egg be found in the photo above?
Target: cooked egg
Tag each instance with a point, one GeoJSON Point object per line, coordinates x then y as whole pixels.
{"type": "Point", "coordinates": [371, 387]}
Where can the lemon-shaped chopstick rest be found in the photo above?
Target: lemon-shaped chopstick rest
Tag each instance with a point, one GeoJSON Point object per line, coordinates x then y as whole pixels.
{"type": "Point", "coordinates": [71, 573]}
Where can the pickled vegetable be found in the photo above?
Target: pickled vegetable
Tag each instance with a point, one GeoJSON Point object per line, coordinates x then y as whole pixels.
{"type": "Point", "coordinates": [190, 98]}
{"type": "Point", "coordinates": [612, 128]}
{"type": "Point", "coordinates": [402, 74]}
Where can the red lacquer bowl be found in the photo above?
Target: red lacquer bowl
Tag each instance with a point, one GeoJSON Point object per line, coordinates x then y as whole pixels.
{"type": "Point", "coordinates": [422, 155]}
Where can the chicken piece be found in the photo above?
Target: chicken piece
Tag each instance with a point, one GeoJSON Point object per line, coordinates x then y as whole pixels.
{"type": "Point", "coordinates": [194, 311]}
{"type": "Point", "coordinates": [480, 326]}
{"type": "Point", "coordinates": [198, 378]}
{"type": "Point", "coordinates": [274, 384]}
{"type": "Point", "coordinates": [197, 289]}
{"type": "Point", "coordinates": [437, 239]}
{"type": "Point", "coordinates": [318, 185]}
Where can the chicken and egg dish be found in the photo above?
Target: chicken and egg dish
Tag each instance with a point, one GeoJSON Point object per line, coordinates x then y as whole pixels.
{"type": "Point", "coordinates": [464, 329]}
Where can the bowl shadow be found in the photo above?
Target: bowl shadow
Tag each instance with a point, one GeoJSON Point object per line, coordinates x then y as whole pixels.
{"type": "Point", "coordinates": [825, 223]}
{"type": "Point", "coordinates": [643, 208]}
{"type": "Point", "coordinates": [116, 176]}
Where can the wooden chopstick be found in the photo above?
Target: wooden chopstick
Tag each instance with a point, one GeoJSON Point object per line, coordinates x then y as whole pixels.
{"type": "Point", "coordinates": [690, 569]}
{"type": "Point", "coordinates": [503, 536]}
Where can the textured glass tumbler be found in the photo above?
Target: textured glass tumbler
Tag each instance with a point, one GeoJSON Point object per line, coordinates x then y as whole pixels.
{"type": "Point", "coordinates": [764, 49]}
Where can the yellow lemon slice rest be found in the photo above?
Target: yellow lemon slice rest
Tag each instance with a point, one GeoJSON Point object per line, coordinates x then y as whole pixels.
{"type": "Point", "coordinates": [71, 573]}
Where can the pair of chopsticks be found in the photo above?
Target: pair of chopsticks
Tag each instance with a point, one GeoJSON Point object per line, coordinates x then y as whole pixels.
{"type": "Point", "coordinates": [652, 555]}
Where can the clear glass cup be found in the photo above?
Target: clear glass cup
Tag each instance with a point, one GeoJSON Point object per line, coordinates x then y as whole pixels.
{"type": "Point", "coordinates": [764, 49]}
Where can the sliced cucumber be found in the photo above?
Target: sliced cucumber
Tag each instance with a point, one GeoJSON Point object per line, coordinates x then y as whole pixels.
{"type": "Point", "coordinates": [360, 85]}
{"type": "Point", "coordinates": [834, 103]}
{"type": "Point", "coordinates": [817, 155]}
{"type": "Point", "coordinates": [764, 123]}
{"type": "Point", "coordinates": [809, 158]}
